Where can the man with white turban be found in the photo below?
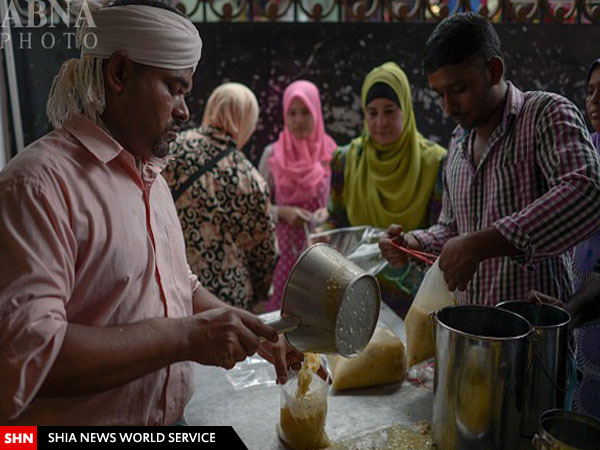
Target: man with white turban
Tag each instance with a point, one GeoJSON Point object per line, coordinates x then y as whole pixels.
{"type": "Point", "coordinates": [100, 315]}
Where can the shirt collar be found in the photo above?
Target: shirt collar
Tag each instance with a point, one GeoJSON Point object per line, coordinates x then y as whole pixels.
{"type": "Point", "coordinates": [103, 146]}
{"type": "Point", "coordinates": [97, 141]}
{"type": "Point", "coordinates": [515, 99]}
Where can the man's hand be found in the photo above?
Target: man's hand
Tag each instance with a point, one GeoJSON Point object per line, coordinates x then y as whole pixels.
{"type": "Point", "coordinates": [459, 260]}
{"type": "Point", "coordinates": [281, 355]}
{"type": "Point", "coordinates": [461, 255]}
{"type": "Point", "coordinates": [293, 215]}
{"type": "Point", "coordinates": [224, 336]}
{"type": "Point", "coordinates": [395, 257]}
{"type": "Point", "coordinates": [539, 298]}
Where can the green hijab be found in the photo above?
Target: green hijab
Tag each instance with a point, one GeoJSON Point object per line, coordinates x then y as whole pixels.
{"type": "Point", "coordinates": [385, 184]}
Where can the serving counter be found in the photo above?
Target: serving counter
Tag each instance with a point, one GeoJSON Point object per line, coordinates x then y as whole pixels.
{"type": "Point", "coordinates": [247, 398]}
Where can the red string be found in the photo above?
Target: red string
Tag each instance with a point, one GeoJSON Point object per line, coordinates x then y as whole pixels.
{"type": "Point", "coordinates": [425, 257]}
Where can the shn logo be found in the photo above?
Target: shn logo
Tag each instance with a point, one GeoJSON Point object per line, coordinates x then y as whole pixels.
{"type": "Point", "coordinates": [18, 438]}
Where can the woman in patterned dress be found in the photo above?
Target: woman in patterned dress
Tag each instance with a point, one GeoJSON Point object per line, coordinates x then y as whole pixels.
{"type": "Point", "coordinates": [389, 174]}
{"type": "Point", "coordinates": [225, 213]}
{"type": "Point", "coordinates": [296, 168]}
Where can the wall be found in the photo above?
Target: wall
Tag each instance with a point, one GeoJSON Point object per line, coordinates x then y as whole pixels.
{"type": "Point", "coordinates": [336, 56]}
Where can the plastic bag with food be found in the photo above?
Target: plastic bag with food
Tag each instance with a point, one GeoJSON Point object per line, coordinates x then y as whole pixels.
{"type": "Point", "coordinates": [433, 294]}
{"type": "Point", "coordinates": [382, 361]}
{"type": "Point", "coordinates": [358, 244]}
{"type": "Point", "coordinates": [304, 408]}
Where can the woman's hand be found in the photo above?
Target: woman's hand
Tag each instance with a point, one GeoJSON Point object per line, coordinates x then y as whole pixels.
{"type": "Point", "coordinates": [293, 215]}
{"type": "Point", "coordinates": [319, 216]}
{"type": "Point", "coordinates": [395, 257]}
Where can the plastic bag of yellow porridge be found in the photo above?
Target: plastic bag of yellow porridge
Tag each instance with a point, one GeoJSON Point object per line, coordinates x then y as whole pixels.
{"type": "Point", "coordinates": [304, 408]}
{"type": "Point", "coordinates": [382, 361]}
{"type": "Point", "coordinates": [433, 294]}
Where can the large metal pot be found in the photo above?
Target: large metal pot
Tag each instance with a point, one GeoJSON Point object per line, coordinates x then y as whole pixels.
{"type": "Point", "coordinates": [330, 305]}
{"type": "Point", "coordinates": [547, 371]}
{"type": "Point", "coordinates": [479, 383]}
{"type": "Point", "coordinates": [567, 430]}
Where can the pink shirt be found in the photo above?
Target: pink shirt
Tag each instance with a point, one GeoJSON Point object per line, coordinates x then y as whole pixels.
{"type": "Point", "coordinates": [85, 239]}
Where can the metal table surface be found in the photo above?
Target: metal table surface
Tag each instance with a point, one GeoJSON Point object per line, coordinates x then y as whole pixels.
{"type": "Point", "coordinates": [254, 411]}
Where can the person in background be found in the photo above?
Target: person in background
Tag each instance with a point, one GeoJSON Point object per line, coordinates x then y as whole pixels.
{"type": "Point", "coordinates": [100, 315]}
{"type": "Point", "coordinates": [522, 184]}
{"type": "Point", "coordinates": [223, 202]}
{"type": "Point", "coordinates": [389, 174]}
{"type": "Point", "coordinates": [584, 306]}
{"type": "Point", "coordinates": [296, 168]}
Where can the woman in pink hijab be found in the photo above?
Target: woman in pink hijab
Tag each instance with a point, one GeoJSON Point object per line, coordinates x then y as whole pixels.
{"type": "Point", "coordinates": [296, 167]}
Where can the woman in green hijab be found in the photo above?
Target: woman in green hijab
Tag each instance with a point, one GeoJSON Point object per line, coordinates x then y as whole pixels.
{"type": "Point", "coordinates": [389, 174]}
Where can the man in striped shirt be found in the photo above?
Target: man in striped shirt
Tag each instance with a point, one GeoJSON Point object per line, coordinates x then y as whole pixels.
{"type": "Point", "coordinates": [522, 180]}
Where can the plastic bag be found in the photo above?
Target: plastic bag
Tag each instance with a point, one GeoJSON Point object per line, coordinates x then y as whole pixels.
{"type": "Point", "coordinates": [382, 361]}
{"type": "Point", "coordinates": [358, 244]}
{"type": "Point", "coordinates": [302, 422]}
{"type": "Point", "coordinates": [433, 294]}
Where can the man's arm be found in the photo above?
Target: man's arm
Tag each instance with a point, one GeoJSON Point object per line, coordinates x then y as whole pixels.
{"type": "Point", "coordinates": [556, 221]}
{"type": "Point", "coordinates": [41, 353]}
{"type": "Point", "coordinates": [95, 359]}
{"type": "Point", "coordinates": [567, 212]}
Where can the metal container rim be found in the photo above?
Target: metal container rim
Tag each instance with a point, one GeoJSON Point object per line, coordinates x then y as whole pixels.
{"type": "Point", "coordinates": [478, 336]}
{"type": "Point", "coordinates": [545, 305]}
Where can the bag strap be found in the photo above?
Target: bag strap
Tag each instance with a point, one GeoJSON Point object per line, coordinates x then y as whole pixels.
{"type": "Point", "coordinates": [201, 171]}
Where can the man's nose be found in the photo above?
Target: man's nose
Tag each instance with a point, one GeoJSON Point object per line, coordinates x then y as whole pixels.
{"type": "Point", "coordinates": [181, 111]}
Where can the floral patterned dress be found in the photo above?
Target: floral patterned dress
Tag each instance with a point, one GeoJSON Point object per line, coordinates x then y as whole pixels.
{"type": "Point", "coordinates": [226, 216]}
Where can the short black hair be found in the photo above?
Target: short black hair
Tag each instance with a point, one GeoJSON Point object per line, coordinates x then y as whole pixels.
{"type": "Point", "coordinates": [458, 38]}
{"type": "Point", "coordinates": [155, 3]}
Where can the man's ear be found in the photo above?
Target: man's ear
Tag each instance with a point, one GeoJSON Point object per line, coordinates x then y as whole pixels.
{"type": "Point", "coordinates": [118, 71]}
{"type": "Point", "coordinates": [495, 70]}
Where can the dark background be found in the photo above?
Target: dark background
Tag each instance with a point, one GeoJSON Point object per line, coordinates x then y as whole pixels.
{"type": "Point", "coordinates": [336, 57]}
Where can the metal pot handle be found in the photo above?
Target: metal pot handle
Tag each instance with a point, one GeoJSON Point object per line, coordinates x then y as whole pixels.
{"type": "Point", "coordinates": [284, 324]}
{"type": "Point", "coordinates": [535, 338]}
{"type": "Point", "coordinates": [433, 326]}
{"type": "Point", "coordinates": [540, 442]}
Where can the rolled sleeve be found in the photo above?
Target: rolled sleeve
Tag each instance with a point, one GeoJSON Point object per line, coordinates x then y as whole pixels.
{"type": "Point", "coordinates": [569, 211]}
{"type": "Point", "coordinates": [35, 283]}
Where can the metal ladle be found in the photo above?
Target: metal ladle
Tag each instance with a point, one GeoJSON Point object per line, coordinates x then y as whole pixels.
{"type": "Point", "coordinates": [330, 305]}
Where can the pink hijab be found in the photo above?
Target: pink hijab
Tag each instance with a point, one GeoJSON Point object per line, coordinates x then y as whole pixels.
{"type": "Point", "coordinates": [297, 164]}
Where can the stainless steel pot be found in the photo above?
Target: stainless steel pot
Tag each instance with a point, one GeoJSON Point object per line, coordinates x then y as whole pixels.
{"type": "Point", "coordinates": [479, 381]}
{"type": "Point", "coordinates": [566, 430]}
{"type": "Point", "coordinates": [547, 371]}
{"type": "Point", "coordinates": [330, 305]}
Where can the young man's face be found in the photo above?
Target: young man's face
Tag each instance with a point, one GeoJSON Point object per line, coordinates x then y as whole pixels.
{"type": "Point", "coordinates": [155, 105]}
{"type": "Point", "coordinates": [465, 92]}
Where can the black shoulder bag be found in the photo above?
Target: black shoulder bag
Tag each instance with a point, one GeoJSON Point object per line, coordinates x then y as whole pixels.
{"type": "Point", "coordinates": [201, 171]}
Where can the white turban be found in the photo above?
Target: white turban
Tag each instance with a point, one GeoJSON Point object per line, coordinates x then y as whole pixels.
{"type": "Point", "coordinates": [148, 35]}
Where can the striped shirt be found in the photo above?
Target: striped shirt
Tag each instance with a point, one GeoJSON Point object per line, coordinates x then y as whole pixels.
{"type": "Point", "coordinates": [537, 183]}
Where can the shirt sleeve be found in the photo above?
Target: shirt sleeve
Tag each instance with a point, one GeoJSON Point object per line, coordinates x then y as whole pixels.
{"type": "Point", "coordinates": [568, 212]}
{"type": "Point", "coordinates": [336, 208]}
{"type": "Point", "coordinates": [38, 251]}
{"type": "Point", "coordinates": [263, 253]}
{"type": "Point", "coordinates": [433, 238]}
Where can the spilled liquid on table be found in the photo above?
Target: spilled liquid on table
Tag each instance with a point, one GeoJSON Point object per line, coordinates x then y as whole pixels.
{"type": "Point", "coordinates": [396, 437]}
